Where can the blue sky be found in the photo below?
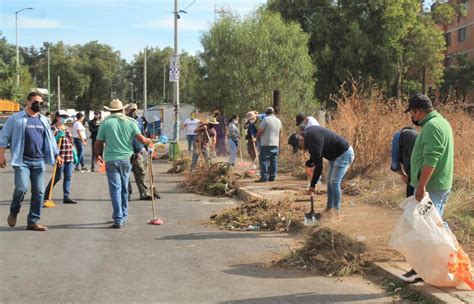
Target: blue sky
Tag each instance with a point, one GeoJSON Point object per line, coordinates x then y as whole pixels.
{"type": "Point", "coordinates": [127, 25]}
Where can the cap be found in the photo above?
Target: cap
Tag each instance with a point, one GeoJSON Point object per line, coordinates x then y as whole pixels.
{"type": "Point", "coordinates": [419, 101]}
{"type": "Point", "coordinates": [270, 110]}
{"type": "Point", "coordinates": [62, 113]}
{"type": "Point", "coordinates": [300, 118]}
{"type": "Point", "coordinates": [131, 106]}
{"type": "Point", "coordinates": [294, 140]}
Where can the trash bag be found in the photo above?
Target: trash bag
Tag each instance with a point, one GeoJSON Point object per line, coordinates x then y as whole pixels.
{"type": "Point", "coordinates": [429, 247]}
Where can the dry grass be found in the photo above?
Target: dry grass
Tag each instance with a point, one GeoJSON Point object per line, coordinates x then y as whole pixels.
{"type": "Point", "coordinates": [281, 216]}
{"type": "Point", "coordinates": [180, 165]}
{"type": "Point", "coordinates": [329, 251]}
{"type": "Point", "coordinates": [217, 179]}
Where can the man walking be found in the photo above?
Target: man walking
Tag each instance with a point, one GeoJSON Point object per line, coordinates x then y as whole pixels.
{"type": "Point", "coordinates": [432, 159]}
{"type": "Point", "coordinates": [117, 133]}
{"type": "Point", "coordinates": [269, 135]}
{"type": "Point", "coordinates": [32, 144]}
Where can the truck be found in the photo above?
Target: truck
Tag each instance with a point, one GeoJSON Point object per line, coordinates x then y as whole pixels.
{"type": "Point", "coordinates": [7, 108]}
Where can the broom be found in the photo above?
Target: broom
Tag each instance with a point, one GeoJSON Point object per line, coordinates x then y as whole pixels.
{"type": "Point", "coordinates": [49, 203]}
{"type": "Point", "coordinates": [155, 220]}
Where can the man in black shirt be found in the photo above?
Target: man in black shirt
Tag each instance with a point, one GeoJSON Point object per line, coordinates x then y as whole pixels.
{"type": "Point", "coordinates": [323, 143]}
{"type": "Point", "coordinates": [402, 145]}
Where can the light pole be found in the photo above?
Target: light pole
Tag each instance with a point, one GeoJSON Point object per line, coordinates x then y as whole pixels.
{"type": "Point", "coordinates": [17, 54]}
{"type": "Point", "coordinates": [176, 81]}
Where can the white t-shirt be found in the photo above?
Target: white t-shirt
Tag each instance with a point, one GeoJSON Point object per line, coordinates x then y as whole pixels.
{"type": "Point", "coordinates": [271, 126]}
{"type": "Point", "coordinates": [311, 122]}
{"type": "Point", "coordinates": [191, 125]}
{"type": "Point", "coordinates": [78, 128]}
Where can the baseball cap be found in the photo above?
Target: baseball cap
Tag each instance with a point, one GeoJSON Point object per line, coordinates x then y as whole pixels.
{"type": "Point", "coordinates": [419, 101]}
{"type": "Point", "coordinates": [269, 110]}
{"type": "Point", "coordinates": [62, 113]}
{"type": "Point", "coordinates": [294, 141]}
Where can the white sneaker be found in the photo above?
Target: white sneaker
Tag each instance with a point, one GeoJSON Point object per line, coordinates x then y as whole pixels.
{"type": "Point", "coordinates": [411, 277]}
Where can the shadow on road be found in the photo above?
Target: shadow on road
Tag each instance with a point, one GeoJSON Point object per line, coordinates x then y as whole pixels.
{"type": "Point", "coordinates": [311, 298]}
{"type": "Point", "coordinates": [263, 271]}
{"type": "Point", "coordinates": [64, 226]}
{"type": "Point", "coordinates": [218, 235]}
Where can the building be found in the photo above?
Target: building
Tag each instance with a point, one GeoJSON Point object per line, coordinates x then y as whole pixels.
{"type": "Point", "coordinates": [460, 34]}
{"type": "Point", "coordinates": [162, 117]}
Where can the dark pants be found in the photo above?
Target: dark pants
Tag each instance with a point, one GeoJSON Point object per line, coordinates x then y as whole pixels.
{"type": "Point", "coordinates": [221, 146]}
{"type": "Point", "coordinates": [190, 138]}
{"type": "Point", "coordinates": [93, 157]}
{"type": "Point", "coordinates": [409, 190]}
{"type": "Point", "coordinates": [139, 169]}
{"type": "Point", "coordinates": [80, 151]}
{"type": "Point", "coordinates": [268, 158]}
{"type": "Point", "coordinates": [66, 168]}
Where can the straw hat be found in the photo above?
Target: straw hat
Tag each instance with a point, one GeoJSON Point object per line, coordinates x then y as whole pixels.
{"type": "Point", "coordinates": [115, 105]}
{"type": "Point", "coordinates": [212, 121]}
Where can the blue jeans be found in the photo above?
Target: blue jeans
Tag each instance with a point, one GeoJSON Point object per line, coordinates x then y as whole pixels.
{"type": "Point", "coordinates": [29, 171]}
{"type": "Point", "coordinates": [118, 173]}
{"type": "Point", "coordinates": [268, 159]}
{"type": "Point", "coordinates": [336, 172]}
{"type": "Point", "coordinates": [66, 168]}
{"type": "Point", "coordinates": [190, 139]}
{"type": "Point", "coordinates": [439, 199]}
{"type": "Point", "coordinates": [233, 151]}
{"type": "Point", "coordinates": [80, 151]}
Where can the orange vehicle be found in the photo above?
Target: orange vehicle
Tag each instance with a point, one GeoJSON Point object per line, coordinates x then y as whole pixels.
{"type": "Point", "coordinates": [7, 108]}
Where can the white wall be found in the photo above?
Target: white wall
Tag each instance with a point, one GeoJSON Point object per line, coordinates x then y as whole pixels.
{"type": "Point", "coordinates": [167, 121]}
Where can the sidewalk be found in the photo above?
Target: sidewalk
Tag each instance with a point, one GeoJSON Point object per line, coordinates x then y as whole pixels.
{"type": "Point", "coordinates": [367, 223]}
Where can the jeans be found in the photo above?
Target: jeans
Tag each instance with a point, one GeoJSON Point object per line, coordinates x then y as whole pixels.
{"type": "Point", "coordinates": [196, 154]}
{"type": "Point", "coordinates": [66, 168]}
{"type": "Point", "coordinates": [336, 172]}
{"type": "Point", "coordinates": [268, 158]}
{"type": "Point", "coordinates": [439, 199]}
{"type": "Point", "coordinates": [29, 171]}
{"type": "Point", "coordinates": [118, 172]}
{"type": "Point", "coordinates": [80, 151]}
{"type": "Point", "coordinates": [233, 151]}
{"type": "Point", "coordinates": [190, 138]}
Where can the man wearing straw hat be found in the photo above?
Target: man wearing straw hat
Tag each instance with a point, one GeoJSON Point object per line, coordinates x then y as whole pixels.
{"type": "Point", "coordinates": [117, 132]}
{"type": "Point", "coordinates": [32, 144]}
{"type": "Point", "coordinates": [205, 140]}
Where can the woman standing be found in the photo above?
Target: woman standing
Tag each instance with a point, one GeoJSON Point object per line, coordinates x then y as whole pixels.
{"type": "Point", "coordinates": [66, 153]}
{"type": "Point", "coordinates": [234, 135]}
{"type": "Point", "coordinates": [79, 134]}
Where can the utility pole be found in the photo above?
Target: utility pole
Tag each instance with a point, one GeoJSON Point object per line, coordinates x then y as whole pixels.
{"type": "Point", "coordinates": [59, 92]}
{"type": "Point", "coordinates": [164, 81]}
{"type": "Point", "coordinates": [176, 80]}
{"type": "Point", "coordinates": [144, 84]}
{"type": "Point", "coordinates": [49, 80]}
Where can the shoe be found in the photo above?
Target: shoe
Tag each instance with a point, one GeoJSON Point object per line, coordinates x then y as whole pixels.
{"type": "Point", "coordinates": [36, 227]}
{"type": "Point", "coordinates": [11, 219]}
{"type": "Point", "coordinates": [116, 226]}
{"type": "Point", "coordinates": [411, 277]}
{"type": "Point", "coordinates": [261, 180]}
{"type": "Point", "coordinates": [92, 170]}
{"type": "Point", "coordinates": [146, 198]}
{"type": "Point", "coordinates": [84, 169]}
{"type": "Point", "coordinates": [76, 169]}
{"type": "Point", "coordinates": [156, 194]}
{"type": "Point", "coordinates": [69, 201]}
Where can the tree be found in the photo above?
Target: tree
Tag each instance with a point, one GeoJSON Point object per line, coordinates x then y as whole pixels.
{"type": "Point", "coordinates": [366, 40]}
{"type": "Point", "coordinates": [244, 60]}
{"type": "Point", "coordinates": [459, 78]}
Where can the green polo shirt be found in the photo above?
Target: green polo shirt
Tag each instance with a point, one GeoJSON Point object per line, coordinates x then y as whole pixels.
{"type": "Point", "coordinates": [434, 147]}
{"type": "Point", "coordinates": [118, 133]}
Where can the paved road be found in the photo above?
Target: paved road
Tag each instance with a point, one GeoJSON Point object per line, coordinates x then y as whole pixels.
{"type": "Point", "coordinates": [80, 260]}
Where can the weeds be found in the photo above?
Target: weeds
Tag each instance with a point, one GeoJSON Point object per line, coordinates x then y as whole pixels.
{"type": "Point", "coordinates": [217, 179]}
{"type": "Point", "coordinates": [182, 164]}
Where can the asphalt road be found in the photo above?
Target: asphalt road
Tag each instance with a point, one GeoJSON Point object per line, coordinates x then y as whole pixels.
{"type": "Point", "coordinates": [80, 260]}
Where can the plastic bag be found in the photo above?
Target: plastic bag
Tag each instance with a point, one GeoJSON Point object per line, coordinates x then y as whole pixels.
{"type": "Point", "coordinates": [430, 248]}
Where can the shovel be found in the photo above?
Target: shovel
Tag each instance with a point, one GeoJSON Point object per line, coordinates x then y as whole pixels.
{"type": "Point", "coordinates": [311, 217]}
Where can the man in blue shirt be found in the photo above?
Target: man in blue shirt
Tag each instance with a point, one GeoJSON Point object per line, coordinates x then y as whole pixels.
{"type": "Point", "coordinates": [32, 144]}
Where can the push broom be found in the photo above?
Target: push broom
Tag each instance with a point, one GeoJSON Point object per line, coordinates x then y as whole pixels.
{"type": "Point", "coordinates": [49, 203]}
{"type": "Point", "coordinates": [155, 220]}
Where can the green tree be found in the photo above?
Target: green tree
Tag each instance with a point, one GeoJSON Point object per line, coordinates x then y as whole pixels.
{"type": "Point", "coordinates": [459, 78]}
{"type": "Point", "coordinates": [244, 60]}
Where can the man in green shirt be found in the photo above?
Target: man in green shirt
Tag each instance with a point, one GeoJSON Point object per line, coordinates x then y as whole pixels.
{"type": "Point", "coordinates": [432, 159]}
{"type": "Point", "coordinates": [117, 132]}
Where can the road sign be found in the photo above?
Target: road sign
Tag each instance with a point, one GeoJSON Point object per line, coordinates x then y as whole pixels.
{"type": "Point", "coordinates": [174, 68]}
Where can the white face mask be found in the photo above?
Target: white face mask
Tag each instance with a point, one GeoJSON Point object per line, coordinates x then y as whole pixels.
{"type": "Point", "coordinates": [235, 121]}
{"type": "Point", "coordinates": [252, 121]}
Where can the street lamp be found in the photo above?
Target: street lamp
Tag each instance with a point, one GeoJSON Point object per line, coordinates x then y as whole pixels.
{"type": "Point", "coordinates": [17, 54]}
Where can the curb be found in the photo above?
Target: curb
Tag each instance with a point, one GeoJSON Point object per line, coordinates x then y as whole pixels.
{"type": "Point", "coordinates": [386, 270]}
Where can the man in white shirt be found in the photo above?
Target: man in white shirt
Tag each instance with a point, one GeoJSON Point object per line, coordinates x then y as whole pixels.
{"type": "Point", "coordinates": [190, 125]}
{"type": "Point", "coordinates": [305, 122]}
{"type": "Point", "coordinates": [80, 141]}
{"type": "Point", "coordinates": [269, 135]}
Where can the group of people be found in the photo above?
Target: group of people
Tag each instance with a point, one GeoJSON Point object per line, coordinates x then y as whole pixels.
{"type": "Point", "coordinates": [34, 142]}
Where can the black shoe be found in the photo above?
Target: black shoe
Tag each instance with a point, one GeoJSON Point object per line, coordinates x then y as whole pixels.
{"type": "Point", "coordinates": [261, 181]}
{"type": "Point", "coordinates": [115, 226]}
{"type": "Point", "coordinates": [92, 170]}
{"type": "Point", "coordinates": [156, 194]}
{"type": "Point", "coordinates": [69, 201]}
{"type": "Point", "coordinates": [411, 277]}
{"type": "Point", "coordinates": [146, 198]}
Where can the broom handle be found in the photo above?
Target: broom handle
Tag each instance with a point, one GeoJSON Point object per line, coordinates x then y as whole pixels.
{"type": "Point", "coordinates": [54, 173]}
{"type": "Point", "coordinates": [152, 186]}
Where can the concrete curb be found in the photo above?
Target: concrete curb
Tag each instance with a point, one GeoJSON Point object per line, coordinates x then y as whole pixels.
{"type": "Point", "coordinates": [387, 270]}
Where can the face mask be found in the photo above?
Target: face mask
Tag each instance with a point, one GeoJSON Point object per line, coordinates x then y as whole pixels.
{"type": "Point", "coordinates": [252, 121]}
{"type": "Point", "coordinates": [235, 121]}
{"type": "Point", "coordinates": [35, 106]}
{"type": "Point", "coordinates": [415, 122]}
{"type": "Point", "coordinates": [192, 116]}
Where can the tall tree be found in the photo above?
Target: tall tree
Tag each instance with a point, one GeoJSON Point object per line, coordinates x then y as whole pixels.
{"type": "Point", "coordinates": [244, 60]}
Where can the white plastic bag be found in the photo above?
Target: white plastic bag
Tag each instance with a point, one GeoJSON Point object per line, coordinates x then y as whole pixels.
{"type": "Point", "coordinates": [430, 248]}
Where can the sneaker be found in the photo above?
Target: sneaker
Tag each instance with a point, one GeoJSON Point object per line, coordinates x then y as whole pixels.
{"type": "Point", "coordinates": [115, 226]}
{"type": "Point", "coordinates": [77, 169]}
{"type": "Point", "coordinates": [411, 277]}
{"type": "Point", "coordinates": [92, 170]}
{"type": "Point", "coordinates": [84, 169]}
{"type": "Point", "coordinates": [145, 198]}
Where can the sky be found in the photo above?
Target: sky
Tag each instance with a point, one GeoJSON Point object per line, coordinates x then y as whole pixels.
{"type": "Point", "coordinates": [127, 25]}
